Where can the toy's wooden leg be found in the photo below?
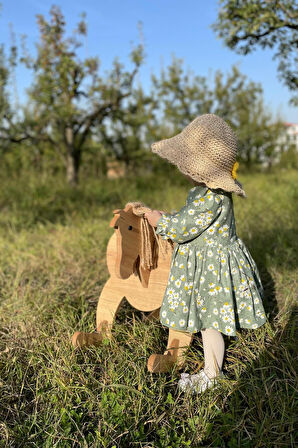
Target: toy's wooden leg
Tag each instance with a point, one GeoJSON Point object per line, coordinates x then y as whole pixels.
{"type": "Point", "coordinates": [108, 304]}
{"type": "Point", "coordinates": [178, 342]}
{"type": "Point", "coordinates": [109, 301]}
{"type": "Point", "coordinates": [153, 315]}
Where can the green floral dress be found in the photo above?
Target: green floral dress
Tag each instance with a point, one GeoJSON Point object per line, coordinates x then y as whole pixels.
{"type": "Point", "coordinates": [213, 280]}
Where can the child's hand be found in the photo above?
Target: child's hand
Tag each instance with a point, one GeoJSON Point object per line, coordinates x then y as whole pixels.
{"type": "Point", "coordinates": [153, 217]}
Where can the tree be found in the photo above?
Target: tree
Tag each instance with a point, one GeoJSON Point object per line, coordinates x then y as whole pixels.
{"type": "Point", "coordinates": [181, 96]}
{"type": "Point", "coordinates": [4, 103]}
{"type": "Point", "coordinates": [128, 130]}
{"type": "Point", "coordinates": [69, 99]}
{"type": "Point", "coordinates": [4, 99]}
{"type": "Point", "coordinates": [9, 127]}
{"type": "Point", "coordinates": [245, 25]}
{"type": "Point", "coordinates": [240, 102]}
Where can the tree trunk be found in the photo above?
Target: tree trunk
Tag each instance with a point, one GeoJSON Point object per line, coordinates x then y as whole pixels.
{"type": "Point", "coordinates": [72, 171]}
{"type": "Point", "coordinates": [248, 157]}
{"type": "Point", "coordinates": [73, 158]}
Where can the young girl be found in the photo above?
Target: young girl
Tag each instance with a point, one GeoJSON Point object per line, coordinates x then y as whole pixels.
{"type": "Point", "coordinates": [214, 284]}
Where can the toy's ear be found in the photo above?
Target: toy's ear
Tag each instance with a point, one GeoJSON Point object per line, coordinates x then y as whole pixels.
{"type": "Point", "coordinates": [114, 220]}
{"type": "Point", "coordinates": [128, 207]}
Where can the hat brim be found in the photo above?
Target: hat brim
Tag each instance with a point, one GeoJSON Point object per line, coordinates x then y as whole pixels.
{"type": "Point", "coordinates": [214, 179]}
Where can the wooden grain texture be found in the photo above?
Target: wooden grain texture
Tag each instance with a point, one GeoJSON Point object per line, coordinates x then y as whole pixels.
{"type": "Point", "coordinates": [143, 288]}
{"type": "Point", "coordinates": [120, 284]}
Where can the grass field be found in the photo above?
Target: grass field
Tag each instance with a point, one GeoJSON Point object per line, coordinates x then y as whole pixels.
{"type": "Point", "coordinates": [52, 269]}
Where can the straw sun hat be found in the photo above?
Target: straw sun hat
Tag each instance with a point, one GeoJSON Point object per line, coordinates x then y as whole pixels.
{"type": "Point", "coordinates": [206, 151]}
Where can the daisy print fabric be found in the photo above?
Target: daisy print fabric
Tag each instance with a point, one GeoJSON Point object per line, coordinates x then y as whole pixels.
{"type": "Point", "coordinates": [213, 280]}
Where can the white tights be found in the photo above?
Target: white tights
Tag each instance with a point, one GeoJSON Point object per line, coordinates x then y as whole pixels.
{"type": "Point", "coordinates": [214, 350]}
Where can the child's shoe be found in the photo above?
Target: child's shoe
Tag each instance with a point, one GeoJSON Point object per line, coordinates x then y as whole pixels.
{"type": "Point", "coordinates": [200, 381]}
{"type": "Point", "coordinates": [184, 383]}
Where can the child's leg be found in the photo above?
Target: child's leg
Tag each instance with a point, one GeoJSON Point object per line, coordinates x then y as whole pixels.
{"type": "Point", "coordinates": [214, 349]}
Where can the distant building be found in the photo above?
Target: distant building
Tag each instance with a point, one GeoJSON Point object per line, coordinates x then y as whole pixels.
{"type": "Point", "coordinates": [287, 139]}
{"type": "Point", "coordinates": [291, 134]}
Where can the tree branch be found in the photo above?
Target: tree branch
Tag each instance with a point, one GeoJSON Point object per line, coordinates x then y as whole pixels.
{"type": "Point", "coordinates": [102, 111]}
{"type": "Point", "coordinates": [256, 36]}
{"type": "Point", "coordinates": [287, 13]}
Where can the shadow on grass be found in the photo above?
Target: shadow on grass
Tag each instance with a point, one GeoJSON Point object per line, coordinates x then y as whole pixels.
{"type": "Point", "coordinates": [253, 409]}
{"type": "Point", "coordinates": [256, 409]}
{"type": "Point", "coordinates": [259, 411]}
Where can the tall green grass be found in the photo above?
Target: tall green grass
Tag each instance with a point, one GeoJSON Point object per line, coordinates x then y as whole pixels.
{"type": "Point", "coordinates": [52, 269]}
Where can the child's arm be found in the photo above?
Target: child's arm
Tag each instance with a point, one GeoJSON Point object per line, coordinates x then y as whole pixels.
{"type": "Point", "coordinates": [191, 221]}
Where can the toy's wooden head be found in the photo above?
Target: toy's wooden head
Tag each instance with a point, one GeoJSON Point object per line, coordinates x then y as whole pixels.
{"type": "Point", "coordinates": [127, 226]}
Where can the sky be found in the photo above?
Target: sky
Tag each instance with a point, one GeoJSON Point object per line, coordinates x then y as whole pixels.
{"type": "Point", "coordinates": [170, 27]}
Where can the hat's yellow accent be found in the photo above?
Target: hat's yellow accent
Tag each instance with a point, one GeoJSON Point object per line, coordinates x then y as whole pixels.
{"type": "Point", "coordinates": [234, 170]}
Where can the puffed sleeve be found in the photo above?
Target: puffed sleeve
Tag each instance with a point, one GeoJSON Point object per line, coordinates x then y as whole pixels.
{"type": "Point", "coordinates": [191, 220]}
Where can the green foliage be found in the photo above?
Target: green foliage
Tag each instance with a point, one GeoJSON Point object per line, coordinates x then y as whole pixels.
{"type": "Point", "coordinates": [181, 96]}
{"type": "Point", "coordinates": [69, 99]}
{"type": "Point", "coordinates": [6, 114]}
{"type": "Point", "coordinates": [53, 245]}
{"type": "Point", "coordinates": [244, 25]}
{"type": "Point", "coordinates": [76, 116]}
{"type": "Point", "coordinates": [288, 159]}
{"type": "Point", "coordinates": [128, 134]}
{"type": "Point", "coordinates": [240, 102]}
{"type": "Point", "coordinates": [4, 105]}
